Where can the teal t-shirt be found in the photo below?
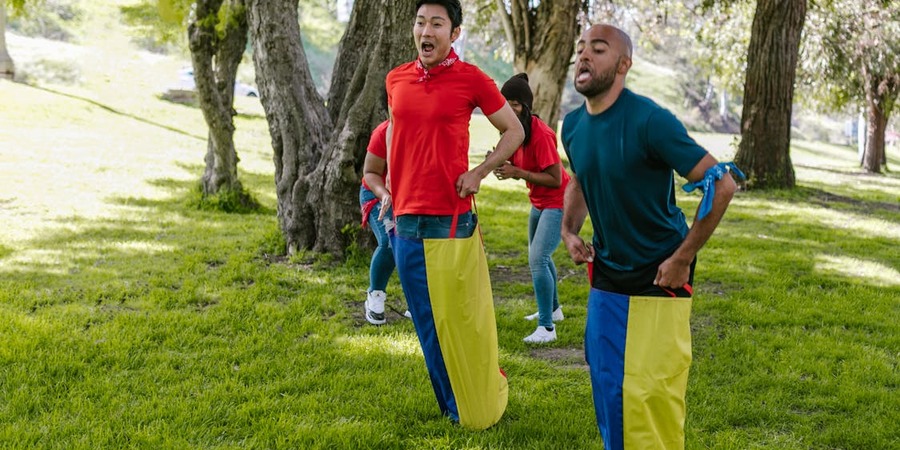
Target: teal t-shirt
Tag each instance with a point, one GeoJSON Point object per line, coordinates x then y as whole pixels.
{"type": "Point", "coordinates": [623, 158]}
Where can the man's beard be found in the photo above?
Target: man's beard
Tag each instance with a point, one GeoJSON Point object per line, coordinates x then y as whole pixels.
{"type": "Point", "coordinates": [600, 84]}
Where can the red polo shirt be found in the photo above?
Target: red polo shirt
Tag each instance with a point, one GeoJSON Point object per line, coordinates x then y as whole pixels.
{"type": "Point", "coordinates": [430, 134]}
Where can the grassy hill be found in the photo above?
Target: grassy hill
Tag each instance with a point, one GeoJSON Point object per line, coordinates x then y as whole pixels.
{"type": "Point", "coordinates": [133, 319]}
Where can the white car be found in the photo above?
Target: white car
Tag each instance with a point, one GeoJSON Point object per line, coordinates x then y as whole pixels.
{"type": "Point", "coordinates": [186, 82]}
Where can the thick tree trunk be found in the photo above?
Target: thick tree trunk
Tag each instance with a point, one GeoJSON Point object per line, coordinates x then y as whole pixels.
{"type": "Point", "coordinates": [298, 121]}
{"type": "Point", "coordinates": [318, 150]}
{"type": "Point", "coordinates": [7, 68]}
{"type": "Point", "coordinates": [543, 40]}
{"type": "Point", "coordinates": [378, 38]}
{"type": "Point", "coordinates": [764, 152]}
{"type": "Point", "coordinates": [215, 61]}
{"type": "Point", "coordinates": [874, 155]}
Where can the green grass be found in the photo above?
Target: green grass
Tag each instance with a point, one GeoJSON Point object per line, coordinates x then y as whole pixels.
{"type": "Point", "coordinates": [132, 318]}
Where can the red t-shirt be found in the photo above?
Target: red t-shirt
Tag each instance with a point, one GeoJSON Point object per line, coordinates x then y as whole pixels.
{"type": "Point", "coordinates": [430, 141]}
{"type": "Point", "coordinates": [378, 145]}
{"type": "Point", "coordinates": [538, 155]}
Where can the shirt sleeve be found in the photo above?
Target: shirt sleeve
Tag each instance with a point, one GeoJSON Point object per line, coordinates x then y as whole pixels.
{"type": "Point", "coordinates": [378, 141]}
{"type": "Point", "coordinates": [546, 153]}
{"type": "Point", "coordinates": [669, 141]}
{"type": "Point", "coordinates": [487, 95]}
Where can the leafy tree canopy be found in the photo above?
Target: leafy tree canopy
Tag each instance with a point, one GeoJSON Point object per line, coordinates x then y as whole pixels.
{"type": "Point", "coordinates": [848, 41]}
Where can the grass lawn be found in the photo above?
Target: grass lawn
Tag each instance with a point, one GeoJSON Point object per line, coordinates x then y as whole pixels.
{"type": "Point", "coordinates": [129, 318]}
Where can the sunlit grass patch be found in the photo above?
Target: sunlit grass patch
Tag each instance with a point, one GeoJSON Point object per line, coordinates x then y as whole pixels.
{"type": "Point", "coordinates": [855, 268]}
{"type": "Point", "coordinates": [393, 344]}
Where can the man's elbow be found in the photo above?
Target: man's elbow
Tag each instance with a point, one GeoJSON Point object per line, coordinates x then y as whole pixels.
{"type": "Point", "coordinates": [726, 188]}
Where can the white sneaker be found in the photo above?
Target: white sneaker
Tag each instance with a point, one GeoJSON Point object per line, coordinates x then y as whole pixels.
{"type": "Point", "coordinates": [407, 314]}
{"type": "Point", "coordinates": [375, 307]}
{"type": "Point", "coordinates": [556, 317]}
{"type": "Point", "coordinates": [541, 336]}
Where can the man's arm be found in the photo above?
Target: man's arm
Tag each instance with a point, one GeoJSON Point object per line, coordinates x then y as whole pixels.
{"type": "Point", "coordinates": [675, 271]}
{"type": "Point", "coordinates": [511, 138]}
{"type": "Point", "coordinates": [574, 213]}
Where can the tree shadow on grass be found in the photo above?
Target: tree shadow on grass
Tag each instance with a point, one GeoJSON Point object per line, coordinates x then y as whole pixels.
{"type": "Point", "coordinates": [150, 240]}
{"type": "Point", "coordinates": [119, 112]}
{"type": "Point", "coordinates": [186, 194]}
{"type": "Point", "coordinates": [827, 199]}
{"type": "Point", "coordinates": [885, 210]}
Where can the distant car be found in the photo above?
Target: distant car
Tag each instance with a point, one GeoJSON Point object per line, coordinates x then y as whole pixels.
{"type": "Point", "coordinates": [186, 82]}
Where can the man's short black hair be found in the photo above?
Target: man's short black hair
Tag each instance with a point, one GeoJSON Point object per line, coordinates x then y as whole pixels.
{"type": "Point", "coordinates": [454, 9]}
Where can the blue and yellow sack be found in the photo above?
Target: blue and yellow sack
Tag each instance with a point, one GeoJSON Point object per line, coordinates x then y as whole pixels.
{"type": "Point", "coordinates": [448, 292]}
{"type": "Point", "coordinates": [639, 353]}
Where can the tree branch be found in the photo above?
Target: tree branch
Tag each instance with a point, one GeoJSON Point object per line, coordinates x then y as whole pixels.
{"type": "Point", "coordinates": [507, 23]}
{"type": "Point", "coordinates": [520, 9]}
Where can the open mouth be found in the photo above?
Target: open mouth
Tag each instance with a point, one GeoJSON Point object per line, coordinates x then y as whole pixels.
{"type": "Point", "coordinates": [427, 47]}
{"type": "Point", "coordinates": [583, 74]}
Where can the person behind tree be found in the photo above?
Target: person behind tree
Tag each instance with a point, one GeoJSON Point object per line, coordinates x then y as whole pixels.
{"type": "Point", "coordinates": [537, 162]}
{"type": "Point", "coordinates": [623, 149]}
{"type": "Point", "coordinates": [430, 185]}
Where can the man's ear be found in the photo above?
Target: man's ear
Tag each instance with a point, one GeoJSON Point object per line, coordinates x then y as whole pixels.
{"type": "Point", "coordinates": [454, 35]}
{"type": "Point", "coordinates": [624, 65]}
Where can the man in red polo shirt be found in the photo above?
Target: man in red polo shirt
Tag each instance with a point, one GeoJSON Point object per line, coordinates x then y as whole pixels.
{"type": "Point", "coordinates": [431, 101]}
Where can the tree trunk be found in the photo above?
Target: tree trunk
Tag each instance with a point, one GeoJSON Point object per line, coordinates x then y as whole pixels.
{"type": "Point", "coordinates": [298, 121]}
{"type": "Point", "coordinates": [543, 38]}
{"type": "Point", "coordinates": [215, 61]}
{"type": "Point", "coordinates": [723, 105]}
{"type": "Point", "coordinates": [7, 68]}
{"type": "Point", "coordinates": [378, 38]}
{"type": "Point", "coordinates": [318, 150]}
{"type": "Point", "coordinates": [764, 151]}
{"type": "Point", "coordinates": [874, 154]}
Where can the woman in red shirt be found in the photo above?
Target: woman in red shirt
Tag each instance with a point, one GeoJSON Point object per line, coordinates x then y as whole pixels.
{"type": "Point", "coordinates": [537, 162]}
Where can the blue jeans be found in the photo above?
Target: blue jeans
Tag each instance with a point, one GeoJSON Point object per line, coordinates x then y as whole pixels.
{"type": "Point", "coordinates": [543, 238]}
{"type": "Point", "coordinates": [382, 265]}
{"type": "Point", "coordinates": [412, 226]}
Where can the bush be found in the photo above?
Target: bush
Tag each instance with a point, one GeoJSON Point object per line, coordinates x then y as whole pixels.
{"type": "Point", "coordinates": [48, 71]}
{"type": "Point", "coordinates": [230, 201]}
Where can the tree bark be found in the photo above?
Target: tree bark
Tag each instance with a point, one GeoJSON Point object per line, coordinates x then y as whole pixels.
{"type": "Point", "coordinates": [7, 68]}
{"type": "Point", "coordinates": [764, 151]}
{"type": "Point", "coordinates": [319, 150]}
{"type": "Point", "coordinates": [298, 120]}
{"type": "Point", "coordinates": [378, 38]}
{"type": "Point", "coordinates": [874, 157]}
{"type": "Point", "coordinates": [543, 40]}
{"type": "Point", "coordinates": [215, 60]}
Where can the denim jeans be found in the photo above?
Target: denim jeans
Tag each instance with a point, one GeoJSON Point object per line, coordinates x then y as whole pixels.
{"type": "Point", "coordinates": [382, 265]}
{"type": "Point", "coordinates": [543, 238]}
{"type": "Point", "coordinates": [412, 226]}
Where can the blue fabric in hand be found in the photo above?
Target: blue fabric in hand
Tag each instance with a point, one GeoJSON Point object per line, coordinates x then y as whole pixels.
{"type": "Point", "coordinates": [708, 185]}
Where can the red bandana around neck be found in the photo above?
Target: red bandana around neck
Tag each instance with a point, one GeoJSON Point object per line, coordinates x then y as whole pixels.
{"type": "Point", "coordinates": [427, 74]}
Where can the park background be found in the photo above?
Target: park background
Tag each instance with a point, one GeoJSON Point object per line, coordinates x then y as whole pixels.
{"type": "Point", "coordinates": [135, 315]}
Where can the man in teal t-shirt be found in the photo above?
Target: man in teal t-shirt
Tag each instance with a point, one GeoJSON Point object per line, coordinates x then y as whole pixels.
{"type": "Point", "coordinates": [623, 149]}
{"type": "Point", "coordinates": [626, 155]}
